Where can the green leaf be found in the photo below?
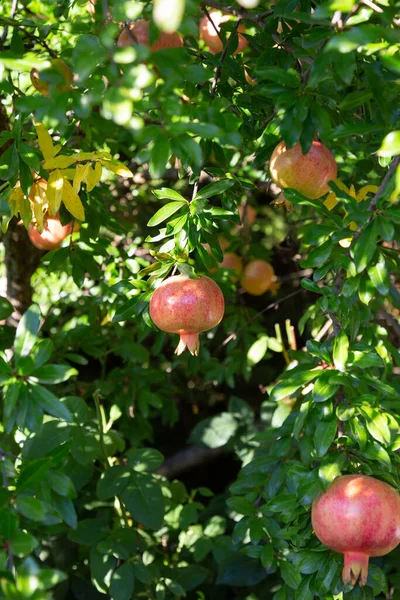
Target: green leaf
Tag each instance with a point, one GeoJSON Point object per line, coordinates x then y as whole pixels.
{"type": "Point", "coordinates": [168, 194]}
{"type": "Point", "coordinates": [377, 425]}
{"type": "Point", "coordinates": [144, 500]}
{"type": "Point", "coordinates": [144, 459]}
{"type": "Point", "coordinates": [310, 562]}
{"type": "Point", "coordinates": [390, 145]}
{"type": "Point", "coordinates": [165, 212]}
{"type": "Point", "coordinates": [53, 374]}
{"type": "Point", "coordinates": [240, 570]}
{"type": "Point", "coordinates": [9, 163]}
{"type": "Point", "coordinates": [29, 156]}
{"type": "Point", "coordinates": [27, 330]}
{"type": "Point", "coordinates": [379, 276]}
{"type": "Point", "coordinates": [215, 189]}
{"type": "Point", "coordinates": [32, 474]}
{"type": "Point", "coordinates": [257, 350]}
{"type": "Point", "coordinates": [89, 532]}
{"type": "Point", "coordinates": [190, 577]}
{"type": "Point", "coordinates": [66, 510]}
{"type": "Point", "coordinates": [364, 248]}
{"type": "Point", "coordinates": [325, 433]}
{"type": "Point", "coordinates": [8, 523]}
{"type": "Point", "coordinates": [286, 77]}
{"type": "Point", "coordinates": [331, 467]}
{"type": "Point", "coordinates": [23, 543]}
{"type": "Point", "coordinates": [241, 505]}
{"type": "Point", "coordinates": [323, 388]}
{"type": "Point", "coordinates": [215, 431]}
{"type": "Point", "coordinates": [11, 394]}
{"type": "Point", "coordinates": [31, 508]}
{"type": "Point", "coordinates": [122, 583]}
{"type": "Point", "coordinates": [101, 568]}
{"type": "Point", "coordinates": [160, 154]}
{"type": "Point", "coordinates": [49, 402]}
{"type": "Point", "coordinates": [341, 351]}
{"type": "Point", "coordinates": [6, 308]}
{"type": "Point", "coordinates": [290, 574]}
{"type": "Point", "coordinates": [61, 484]}
{"type": "Point", "coordinates": [188, 150]}
{"type": "Point", "coordinates": [113, 482]}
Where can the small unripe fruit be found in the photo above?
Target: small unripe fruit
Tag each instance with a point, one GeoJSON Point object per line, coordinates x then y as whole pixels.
{"type": "Point", "coordinates": [43, 87]}
{"type": "Point", "coordinates": [52, 235]}
{"type": "Point", "coordinates": [258, 277]}
{"type": "Point", "coordinates": [358, 516]}
{"type": "Point", "coordinates": [138, 33]}
{"type": "Point", "coordinates": [187, 306]}
{"type": "Point", "coordinates": [210, 36]}
{"type": "Point", "coordinates": [307, 173]}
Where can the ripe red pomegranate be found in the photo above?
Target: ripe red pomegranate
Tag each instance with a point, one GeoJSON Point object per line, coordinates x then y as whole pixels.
{"type": "Point", "coordinates": [139, 33]}
{"type": "Point", "coordinates": [358, 516]}
{"type": "Point", "coordinates": [258, 277]}
{"type": "Point", "coordinates": [307, 173]}
{"type": "Point", "coordinates": [52, 235]}
{"type": "Point", "coordinates": [210, 36]}
{"type": "Point", "coordinates": [187, 307]}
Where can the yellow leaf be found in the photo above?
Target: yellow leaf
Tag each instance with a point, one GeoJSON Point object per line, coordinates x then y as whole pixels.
{"type": "Point", "coordinates": [72, 201]}
{"type": "Point", "coordinates": [331, 201]}
{"type": "Point", "coordinates": [69, 173]}
{"type": "Point", "coordinates": [94, 176]}
{"type": "Point", "coordinates": [80, 176]}
{"type": "Point", "coordinates": [117, 167]}
{"type": "Point", "coordinates": [15, 199]}
{"type": "Point", "coordinates": [54, 191]}
{"type": "Point", "coordinates": [45, 142]}
{"type": "Point", "coordinates": [362, 194]}
{"type": "Point", "coordinates": [61, 162]}
{"type": "Point", "coordinates": [93, 155]}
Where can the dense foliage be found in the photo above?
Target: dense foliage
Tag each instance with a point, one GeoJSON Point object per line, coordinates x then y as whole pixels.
{"type": "Point", "coordinates": [152, 154]}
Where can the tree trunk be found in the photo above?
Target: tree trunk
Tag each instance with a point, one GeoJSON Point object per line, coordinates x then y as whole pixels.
{"type": "Point", "coordinates": [21, 260]}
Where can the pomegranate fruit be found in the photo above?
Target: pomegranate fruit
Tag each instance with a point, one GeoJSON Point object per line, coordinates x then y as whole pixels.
{"type": "Point", "coordinates": [358, 516]}
{"type": "Point", "coordinates": [258, 277]}
{"type": "Point", "coordinates": [208, 32]}
{"type": "Point", "coordinates": [52, 235]}
{"type": "Point", "coordinates": [43, 86]}
{"type": "Point", "coordinates": [247, 214]}
{"type": "Point", "coordinates": [307, 173]}
{"type": "Point", "coordinates": [138, 33]}
{"type": "Point", "coordinates": [233, 262]}
{"type": "Point", "coordinates": [187, 306]}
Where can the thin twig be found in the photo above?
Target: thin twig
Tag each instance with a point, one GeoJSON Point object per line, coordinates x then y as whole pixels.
{"type": "Point", "coordinates": [324, 330]}
{"type": "Point", "coordinates": [5, 30]}
{"type": "Point", "coordinates": [221, 60]}
{"type": "Point", "coordinates": [391, 321]}
{"type": "Point", "coordinates": [233, 335]}
{"type": "Point", "coordinates": [372, 5]}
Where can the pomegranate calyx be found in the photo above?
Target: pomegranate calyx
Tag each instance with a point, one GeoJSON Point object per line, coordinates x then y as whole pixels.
{"type": "Point", "coordinates": [190, 341]}
{"type": "Point", "coordinates": [355, 567]}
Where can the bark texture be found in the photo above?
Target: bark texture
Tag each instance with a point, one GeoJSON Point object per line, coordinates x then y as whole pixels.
{"type": "Point", "coordinates": [21, 260]}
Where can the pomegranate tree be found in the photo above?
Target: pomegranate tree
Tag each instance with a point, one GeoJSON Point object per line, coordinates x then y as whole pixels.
{"type": "Point", "coordinates": [307, 173]}
{"type": "Point", "coordinates": [358, 516]}
{"type": "Point", "coordinates": [187, 307]}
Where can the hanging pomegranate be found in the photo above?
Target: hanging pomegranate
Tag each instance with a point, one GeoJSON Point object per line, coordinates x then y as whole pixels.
{"type": "Point", "coordinates": [358, 516]}
{"type": "Point", "coordinates": [307, 173]}
{"type": "Point", "coordinates": [187, 307]}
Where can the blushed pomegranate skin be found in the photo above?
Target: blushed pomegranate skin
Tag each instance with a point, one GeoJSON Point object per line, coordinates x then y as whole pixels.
{"type": "Point", "coordinates": [52, 235]}
{"type": "Point", "coordinates": [139, 33]}
{"type": "Point", "coordinates": [187, 306]}
{"type": "Point", "coordinates": [358, 516]}
{"type": "Point", "coordinates": [258, 277]}
{"type": "Point", "coordinates": [307, 173]}
{"type": "Point", "coordinates": [209, 35]}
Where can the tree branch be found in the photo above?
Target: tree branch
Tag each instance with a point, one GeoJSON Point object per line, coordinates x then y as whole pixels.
{"type": "Point", "coordinates": [221, 60]}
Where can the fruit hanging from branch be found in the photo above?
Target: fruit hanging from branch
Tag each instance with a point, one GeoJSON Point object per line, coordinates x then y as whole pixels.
{"type": "Point", "coordinates": [307, 173]}
{"type": "Point", "coordinates": [61, 68]}
{"type": "Point", "coordinates": [258, 277]}
{"type": "Point", "coordinates": [187, 307]}
{"type": "Point", "coordinates": [138, 33]}
{"type": "Point", "coordinates": [54, 232]}
{"type": "Point", "coordinates": [358, 516]}
{"type": "Point", "coordinates": [209, 32]}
